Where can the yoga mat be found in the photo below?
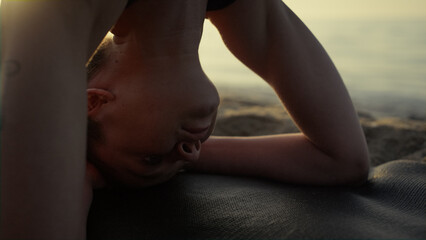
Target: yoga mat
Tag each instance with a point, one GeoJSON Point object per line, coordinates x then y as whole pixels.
{"type": "Point", "coordinates": [390, 205]}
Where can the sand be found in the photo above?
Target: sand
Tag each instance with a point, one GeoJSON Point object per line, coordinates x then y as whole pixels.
{"type": "Point", "coordinates": [388, 138]}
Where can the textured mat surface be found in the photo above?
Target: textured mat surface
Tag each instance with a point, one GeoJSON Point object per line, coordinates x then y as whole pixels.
{"type": "Point", "coordinates": [391, 205]}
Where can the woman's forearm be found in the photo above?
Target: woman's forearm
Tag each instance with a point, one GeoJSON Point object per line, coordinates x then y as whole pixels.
{"type": "Point", "coordinates": [287, 157]}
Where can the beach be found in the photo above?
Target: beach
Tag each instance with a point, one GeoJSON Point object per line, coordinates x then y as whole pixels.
{"type": "Point", "coordinates": [388, 137]}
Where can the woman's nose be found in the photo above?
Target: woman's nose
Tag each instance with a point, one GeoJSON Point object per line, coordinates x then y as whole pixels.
{"type": "Point", "coordinates": [201, 100]}
{"type": "Point", "coordinates": [203, 107]}
{"type": "Point", "coordinates": [190, 151]}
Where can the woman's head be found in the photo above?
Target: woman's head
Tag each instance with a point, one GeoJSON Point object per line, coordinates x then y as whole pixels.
{"type": "Point", "coordinates": [147, 116]}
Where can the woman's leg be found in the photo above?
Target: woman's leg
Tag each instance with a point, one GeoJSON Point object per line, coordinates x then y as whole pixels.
{"type": "Point", "coordinates": [45, 45]}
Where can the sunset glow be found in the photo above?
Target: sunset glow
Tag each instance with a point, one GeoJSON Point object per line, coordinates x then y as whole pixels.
{"type": "Point", "coordinates": [308, 9]}
{"type": "Point", "coordinates": [367, 9]}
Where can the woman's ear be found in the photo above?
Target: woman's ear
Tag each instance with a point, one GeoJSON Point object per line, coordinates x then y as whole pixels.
{"type": "Point", "coordinates": [96, 98]}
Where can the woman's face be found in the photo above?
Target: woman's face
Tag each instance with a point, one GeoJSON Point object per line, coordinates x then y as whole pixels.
{"type": "Point", "coordinates": [160, 114]}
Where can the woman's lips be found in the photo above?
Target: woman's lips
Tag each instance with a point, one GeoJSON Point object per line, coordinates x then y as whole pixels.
{"type": "Point", "coordinates": [199, 129]}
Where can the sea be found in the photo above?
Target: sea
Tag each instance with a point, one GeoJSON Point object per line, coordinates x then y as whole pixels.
{"type": "Point", "coordinates": [382, 63]}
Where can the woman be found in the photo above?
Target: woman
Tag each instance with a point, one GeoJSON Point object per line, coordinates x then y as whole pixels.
{"type": "Point", "coordinates": [152, 106]}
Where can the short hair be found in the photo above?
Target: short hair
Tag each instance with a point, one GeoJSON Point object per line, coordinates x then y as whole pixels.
{"type": "Point", "coordinates": [94, 129]}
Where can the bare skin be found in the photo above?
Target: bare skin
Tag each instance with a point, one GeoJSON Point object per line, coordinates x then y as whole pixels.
{"type": "Point", "coordinates": [152, 98]}
{"type": "Point", "coordinates": [331, 150]}
{"type": "Point", "coordinates": [44, 190]}
{"type": "Point", "coordinates": [164, 59]}
{"type": "Point", "coordinates": [44, 180]}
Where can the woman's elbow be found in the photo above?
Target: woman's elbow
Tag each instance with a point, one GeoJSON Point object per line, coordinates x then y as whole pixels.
{"type": "Point", "coordinates": [353, 168]}
{"type": "Point", "coordinates": [358, 174]}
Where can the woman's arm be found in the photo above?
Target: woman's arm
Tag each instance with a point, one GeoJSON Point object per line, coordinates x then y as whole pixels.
{"type": "Point", "coordinates": [270, 39]}
{"type": "Point", "coordinates": [45, 45]}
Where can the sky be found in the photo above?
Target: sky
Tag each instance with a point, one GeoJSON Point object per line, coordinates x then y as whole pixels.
{"type": "Point", "coordinates": [368, 9]}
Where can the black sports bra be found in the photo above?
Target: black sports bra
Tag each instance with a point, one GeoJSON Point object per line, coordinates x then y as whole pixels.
{"type": "Point", "coordinates": [211, 4]}
{"type": "Point", "coordinates": [218, 4]}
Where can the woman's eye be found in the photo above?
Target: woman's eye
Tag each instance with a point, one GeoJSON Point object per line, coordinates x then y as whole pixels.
{"type": "Point", "coordinates": [153, 160]}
